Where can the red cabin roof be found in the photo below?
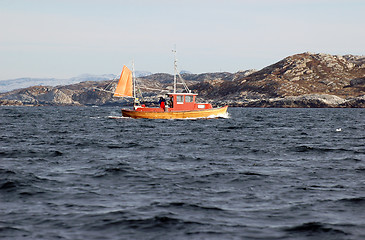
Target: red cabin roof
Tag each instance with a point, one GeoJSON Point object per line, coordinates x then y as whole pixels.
{"type": "Point", "coordinates": [185, 102]}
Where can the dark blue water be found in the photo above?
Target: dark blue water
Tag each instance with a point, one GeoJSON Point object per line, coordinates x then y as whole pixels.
{"type": "Point", "coordinates": [74, 173]}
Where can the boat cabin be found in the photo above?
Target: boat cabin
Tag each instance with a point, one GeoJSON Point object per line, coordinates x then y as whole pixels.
{"type": "Point", "coordinates": [185, 102]}
{"type": "Point", "coordinates": [178, 102]}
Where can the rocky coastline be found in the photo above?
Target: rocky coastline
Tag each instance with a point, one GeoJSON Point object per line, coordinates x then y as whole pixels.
{"type": "Point", "coordinates": [303, 80]}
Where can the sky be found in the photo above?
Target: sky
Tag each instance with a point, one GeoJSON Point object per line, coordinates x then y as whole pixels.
{"type": "Point", "coordinates": [67, 38]}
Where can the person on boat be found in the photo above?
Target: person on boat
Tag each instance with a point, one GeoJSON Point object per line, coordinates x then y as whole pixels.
{"type": "Point", "coordinates": [162, 103]}
{"type": "Point", "coordinates": [169, 102]}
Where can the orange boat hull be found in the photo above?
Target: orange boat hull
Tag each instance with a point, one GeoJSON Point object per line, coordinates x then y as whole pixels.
{"type": "Point", "coordinates": [207, 113]}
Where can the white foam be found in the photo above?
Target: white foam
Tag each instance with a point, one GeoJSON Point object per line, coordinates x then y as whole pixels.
{"type": "Point", "coordinates": [117, 117]}
{"type": "Point", "coordinates": [224, 115]}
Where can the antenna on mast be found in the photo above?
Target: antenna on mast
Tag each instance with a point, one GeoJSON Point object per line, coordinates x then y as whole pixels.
{"type": "Point", "coordinates": [176, 73]}
{"type": "Point", "coordinates": [175, 67]}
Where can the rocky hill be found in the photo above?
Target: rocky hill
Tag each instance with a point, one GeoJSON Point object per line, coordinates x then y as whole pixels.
{"type": "Point", "coordinates": [312, 79]}
{"type": "Point", "coordinates": [301, 80]}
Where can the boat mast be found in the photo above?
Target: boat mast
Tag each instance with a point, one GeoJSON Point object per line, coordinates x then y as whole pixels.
{"type": "Point", "coordinates": [134, 85]}
{"type": "Point", "coordinates": [175, 69]}
{"type": "Point", "coordinates": [177, 74]}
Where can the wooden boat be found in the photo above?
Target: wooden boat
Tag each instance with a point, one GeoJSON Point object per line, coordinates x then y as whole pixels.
{"type": "Point", "coordinates": [177, 106]}
{"type": "Point", "coordinates": [209, 113]}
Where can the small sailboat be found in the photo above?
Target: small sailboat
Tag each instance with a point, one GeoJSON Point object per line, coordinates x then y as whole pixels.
{"type": "Point", "coordinates": [175, 106]}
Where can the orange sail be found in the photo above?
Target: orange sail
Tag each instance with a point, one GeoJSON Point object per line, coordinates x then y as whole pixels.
{"type": "Point", "coordinates": [124, 87]}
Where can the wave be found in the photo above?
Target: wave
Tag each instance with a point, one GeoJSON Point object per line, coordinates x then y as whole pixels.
{"type": "Point", "coordinates": [10, 231]}
{"type": "Point", "coordinates": [21, 183]}
{"type": "Point", "coordinates": [355, 200]}
{"type": "Point", "coordinates": [30, 153]}
{"type": "Point", "coordinates": [254, 174]}
{"type": "Point", "coordinates": [186, 206]}
{"type": "Point", "coordinates": [158, 222]}
{"type": "Point", "coordinates": [124, 145]}
{"type": "Point", "coordinates": [120, 220]}
{"type": "Point", "coordinates": [116, 170]}
{"type": "Point", "coordinates": [305, 148]}
{"type": "Point", "coordinates": [232, 128]}
{"type": "Point", "coordinates": [315, 227]}
{"type": "Point", "coordinates": [112, 170]}
{"type": "Point", "coordinates": [9, 185]}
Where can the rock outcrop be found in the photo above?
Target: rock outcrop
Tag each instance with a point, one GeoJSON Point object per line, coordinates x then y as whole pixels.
{"type": "Point", "coordinates": [298, 75]}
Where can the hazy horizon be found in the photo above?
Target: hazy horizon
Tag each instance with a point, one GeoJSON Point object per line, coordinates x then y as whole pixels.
{"type": "Point", "coordinates": [63, 39]}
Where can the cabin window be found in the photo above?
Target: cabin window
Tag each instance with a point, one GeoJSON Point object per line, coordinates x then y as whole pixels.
{"type": "Point", "coordinates": [179, 99]}
{"type": "Point", "coordinates": [201, 106]}
{"type": "Point", "coordinates": [188, 98]}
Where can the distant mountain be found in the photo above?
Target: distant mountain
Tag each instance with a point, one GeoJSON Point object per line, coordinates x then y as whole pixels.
{"type": "Point", "coordinates": [185, 72]}
{"type": "Point", "coordinates": [8, 85]}
{"type": "Point", "coordinates": [11, 84]}
{"type": "Point", "coordinates": [91, 77]}
{"type": "Point", "coordinates": [142, 73]}
{"type": "Point", "coordinates": [301, 80]}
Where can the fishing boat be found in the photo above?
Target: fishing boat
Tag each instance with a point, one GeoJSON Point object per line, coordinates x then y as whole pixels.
{"type": "Point", "coordinates": [175, 105]}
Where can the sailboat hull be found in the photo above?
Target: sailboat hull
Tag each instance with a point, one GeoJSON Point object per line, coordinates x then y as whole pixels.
{"type": "Point", "coordinates": [208, 113]}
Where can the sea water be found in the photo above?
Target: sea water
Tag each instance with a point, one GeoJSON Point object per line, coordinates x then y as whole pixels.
{"type": "Point", "coordinates": [76, 173]}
